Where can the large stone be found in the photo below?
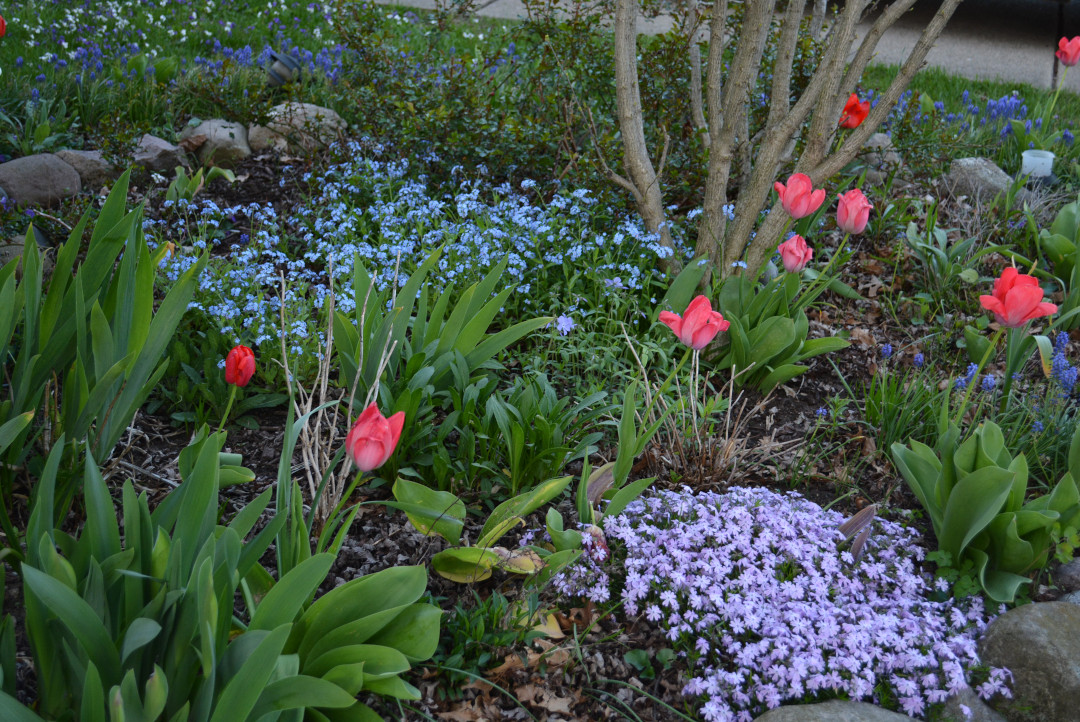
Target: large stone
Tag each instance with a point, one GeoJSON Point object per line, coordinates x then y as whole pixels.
{"type": "Point", "coordinates": [218, 142]}
{"type": "Point", "coordinates": [982, 180]}
{"type": "Point", "coordinates": [880, 158]}
{"type": "Point", "coordinates": [41, 180]}
{"type": "Point", "coordinates": [1040, 645]}
{"type": "Point", "coordinates": [91, 165]}
{"type": "Point", "coordinates": [261, 139]}
{"type": "Point", "coordinates": [155, 154]}
{"type": "Point", "coordinates": [1067, 577]}
{"type": "Point", "coordinates": [977, 710]}
{"type": "Point", "coordinates": [832, 711]}
{"type": "Point", "coordinates": [305, 125]}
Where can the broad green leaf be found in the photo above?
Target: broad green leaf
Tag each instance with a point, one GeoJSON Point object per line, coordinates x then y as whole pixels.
{"type": "Point", "coordinates": [242, 691]}
{"type": "Point", "coordinates": [562, 539]}
{"type": "Point", "coordinates": [974, 502]}
{"type": "Point", "coordinates": [285, 600]}
{"type": "Point", "coordinates": [139, 633]}
{"type": "Point", "coordinates": [356, 599]}
{"type": "Point", "coordinates": [414, 633]}
{"type": "Point", "coordinates": [519, 506]}
{"type": "Point", "coordinates": [431, 511]}
{"type": "Point", "coordinates": [300, 692]}
{"type": "Point", "coordinates": [391, 687]}
{"type": "Point", "coordinates": [626, 495]}
{"type": "Point", "coordinates": [465, 564]}
{"type": "Point", "coordinates": [780, 376]}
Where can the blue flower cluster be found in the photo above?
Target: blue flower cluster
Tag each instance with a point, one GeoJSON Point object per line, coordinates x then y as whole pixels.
{"type": "Point", "coordinates": [372, 210]}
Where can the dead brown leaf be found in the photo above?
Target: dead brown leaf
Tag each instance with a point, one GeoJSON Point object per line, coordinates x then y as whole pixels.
{"type": "Point", "coordinates": [192, 143]}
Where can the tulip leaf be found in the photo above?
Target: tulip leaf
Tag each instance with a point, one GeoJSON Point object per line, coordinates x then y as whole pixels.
{"type": "Point", "coordinates": [299, 692]}
{"type": "Point", "coordinates": [140, 632]}
{"type": "Point", "coordinates": [242, 691]}
{"type": "Point", "coordinates": [975, 501]}
{"type": "Point", "coordinates": [465, 564]}
{"type": "Point", "coordinates": [502, 518]}
{"type": "Point", "coordinates": [283, 602]}
{"type": "Point", "coordinates": [414, 633]}
{"type": "Point", "coordinates": [429, 510]}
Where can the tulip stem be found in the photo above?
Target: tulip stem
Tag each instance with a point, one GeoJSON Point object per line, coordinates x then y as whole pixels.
{"type": "Point", "coordinates": [228, 407]}
{"type": "Point", "coordinates": [694, 367]}
{"type": "Point", "coordinates": [985, 359]}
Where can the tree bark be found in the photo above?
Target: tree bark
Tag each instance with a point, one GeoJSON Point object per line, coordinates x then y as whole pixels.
{"type": "Point", "coordinates": [639, 167]}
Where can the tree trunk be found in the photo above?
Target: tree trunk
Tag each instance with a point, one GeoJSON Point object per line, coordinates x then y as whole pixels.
{"type": "Point", "coordinates": [639, 167]}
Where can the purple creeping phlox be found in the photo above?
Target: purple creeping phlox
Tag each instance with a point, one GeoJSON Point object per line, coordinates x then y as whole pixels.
{"type": "Point", "coordinates": [760, 593]}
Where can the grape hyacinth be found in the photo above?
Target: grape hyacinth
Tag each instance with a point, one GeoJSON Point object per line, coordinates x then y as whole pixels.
{"type": "Point", "coordinates": [759, 592]}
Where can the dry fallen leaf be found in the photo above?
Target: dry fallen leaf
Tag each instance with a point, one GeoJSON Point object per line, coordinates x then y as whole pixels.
{"type": "Point", "coordinates": [545, 699]}
{"type": "Point", "coordinates": [192, 143]}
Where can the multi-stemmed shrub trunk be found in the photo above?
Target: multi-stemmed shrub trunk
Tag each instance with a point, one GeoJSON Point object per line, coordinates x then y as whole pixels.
{"type": "Point", "coordinates": [810, 124]}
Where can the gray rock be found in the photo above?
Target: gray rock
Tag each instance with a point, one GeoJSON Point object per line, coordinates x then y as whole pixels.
{"type": "Point", "coordinates": [41, 179]}
{"type": "Point", "coordinates": [159, 155]}
{"type": "Point", "coordinates": [305, 125]}
{"type": "Point", "coordinates": [832, 711]}
{"type": "Point", "coordinates": [1067, 577]}
{"type": "Point", "coordinates": [261, 138]}
{"type": "Point", "coordinates": [981, 179]}
{"type": "Point", "coordinates": [1071, 598]}
{"type": "Point", "coordinates": [91, 165]}
{"type": "Point", "coordinates": [1040, 644]}
{"type": "Point", "coordinates": [220, 142]}
{"type": "Point", "coordinates": [978, 710]}
{"type": "Point", "coordinates": [880, 157]}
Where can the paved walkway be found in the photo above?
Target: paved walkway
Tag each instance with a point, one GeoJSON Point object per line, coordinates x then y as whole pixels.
{"type": "Point", "coordinates": [1012, 40]}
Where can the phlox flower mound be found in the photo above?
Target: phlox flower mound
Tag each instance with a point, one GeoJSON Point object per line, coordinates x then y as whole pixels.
{"type": "Point", "coordinates": [758, 591]}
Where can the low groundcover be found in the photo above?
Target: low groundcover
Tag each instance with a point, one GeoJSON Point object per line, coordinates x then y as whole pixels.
{"type": "Point", "coordinates": [761, 593]}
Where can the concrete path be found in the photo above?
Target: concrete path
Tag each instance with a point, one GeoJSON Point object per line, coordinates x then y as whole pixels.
{"type": "Point", "coordinates": [1012, 40]}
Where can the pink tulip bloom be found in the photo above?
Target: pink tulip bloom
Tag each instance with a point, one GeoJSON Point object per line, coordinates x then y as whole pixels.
{"type": "Point", "coordinates": [799, 197]}
{"type": "Point", "coordinates": [698, 325]}
{"type": "Point", "coordinates": [1069, 51]}
{"type": "Point", "coordinates": [373, 438]}
{"type": "Point", "coordinates": [853, 212]}
{"type": "Point", "coordinates": [1017, 299]}
{"type": "Point", "coordinates": [795, 253]}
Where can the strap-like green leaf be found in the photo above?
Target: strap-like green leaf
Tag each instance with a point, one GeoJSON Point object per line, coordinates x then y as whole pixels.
{"type": "Point", "coordinates": [80, 620]}
{"type": "Point", "coordinates": [242, 692]}
{"type": "Point", "coordinates": [285, 600]}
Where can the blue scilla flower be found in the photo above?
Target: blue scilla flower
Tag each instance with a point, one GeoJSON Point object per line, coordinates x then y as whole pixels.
{"type": "Point", "coordinates": [822, 412]}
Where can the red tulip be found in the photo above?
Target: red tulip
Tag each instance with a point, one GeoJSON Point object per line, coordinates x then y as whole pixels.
{"type": "Point", "coordinates": [698, 325]}
{"type": "Point", "coordinates": [795, 254]}
{"type": "Point", "coordinates": [1069, 51]}
{"type": "Point", "coordinates": [3, 26]}
{"type": "Point", "coordinates": [854, 112]}
{"type": "Point", "coordinates": [1017, 299]}
{"type": "Point", "coordinates": [853, 212]}
{"type": "Point", "coordinates": [373, 438]}
{"type": "Point", "coordinates": [799, 197]}
{"type": "Point", "coordinates": [239, 366]}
